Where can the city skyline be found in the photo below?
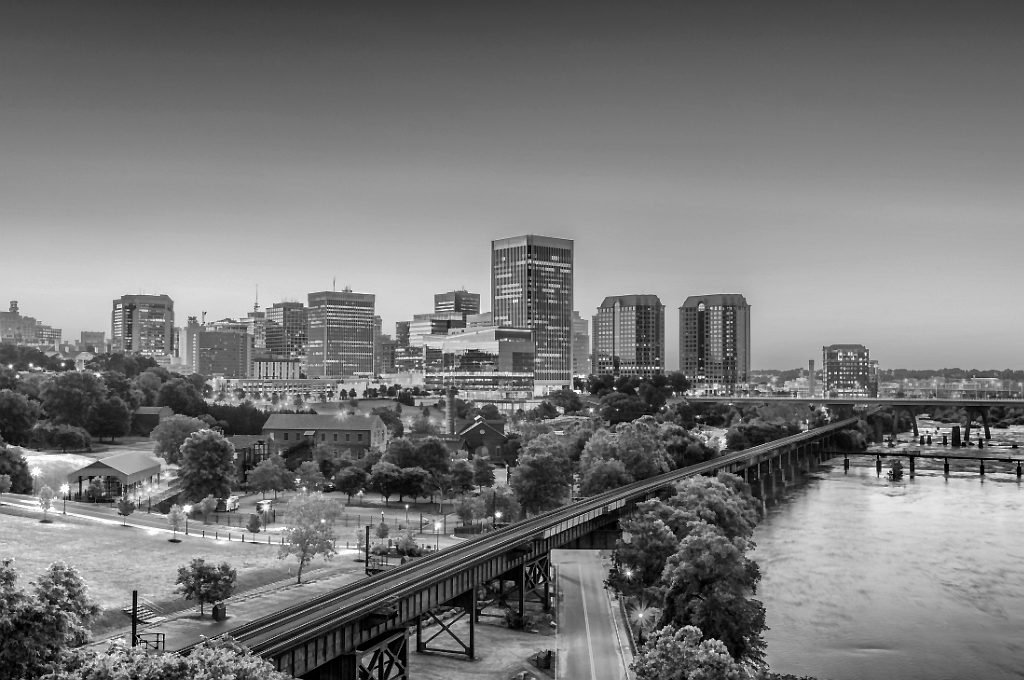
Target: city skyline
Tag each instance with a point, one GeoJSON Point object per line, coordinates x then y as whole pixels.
{"type": "Point", "coordinates": [842, 167]}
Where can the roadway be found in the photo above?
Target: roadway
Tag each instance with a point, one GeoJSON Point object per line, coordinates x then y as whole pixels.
{"type": "Point", "coordinates": [588, 648]}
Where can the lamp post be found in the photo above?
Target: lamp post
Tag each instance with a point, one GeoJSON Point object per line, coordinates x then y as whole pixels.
{"type": "Point", "coordinates": [437, 535]}
{"type": "Point", "coordinates": [360, 494]}
{"type": "Point", "coordinates": [406, 514]}
{"type": "Point", "coordinates": [187, 510]}
{"type": "Point", "coordinates": [497, 516]}
{"type": "Point", "coordinates": [35, 472]}
{"type": "Point", "coordinates": [64, 489]}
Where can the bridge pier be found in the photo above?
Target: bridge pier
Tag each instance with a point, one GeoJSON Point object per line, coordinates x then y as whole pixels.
{"type": "Point", "coordinates": [911, 465]}
{"type": "Point", "coordinates": [984, 421]}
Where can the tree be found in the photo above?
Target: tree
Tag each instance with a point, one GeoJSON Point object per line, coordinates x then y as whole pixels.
{"type": "Point", "coordinates": [567, 400]}
{"type": "Point", "coordinates": [207, 465]}
{"type": "Point", "coordinates": [462, 475]}
{"type": "Point", "coordinates": [483, 471]}
{"type": "Point", "coordinates": [310, 530]}
{"type": "Point", "coordinates": [499, 499]}
{"type": "Point", "coordinates": [603, 475]}
{"type": "Point", "coordinates": [254, 524]}
{"type": "Point", "coordinates": [46, 502]}
{"type": "Point", "coordinates": [70, 397]}
{"type": "Point", "coordinates": [13, 464]}
{"type": "Point", "coordinates": [542, 480]}
{"type": "Point", "coordinates": [309, 476]}
{"type": "Point", "coordinates": [171, 433]}
{"type": "Point", "coordinates": [350, 481]}
{"type": "Point", "coordinates": [207, 506]}
{"type": "Point", "coordinates": [509, 451]}
{"type": "Point", "coordinates": [175, 518]}
{"type": "Point", "coordinates": [413, 482]}
{"type": "Point", "coordinates": [181, 396]}
{"type": "Point", "coordinates": [17, 416]}
{"type": "Point", "coordinates": [118, 385]}
{"type": "Point", "coordinates": [401, 452]}
{"type": "Point", "coordinates": [679, 654]}
{"type": "Point", "coordinates": [265, 477]}
{"type": "Point", "coordinates": [205, 583]}
{"type": "Point", "coordinates": [432, 455]}
{"type": "Point", "coordinates": [219, 659]}
{"type": "Point", "coordinates": [391, 420]}
{"type": "Point", "coordinates": [385, 478]}
{"type": "Point", "coordinates": [96, 489]}
{"type": "Point", "coordinates": [622, 408]}
{"type": "Point", "coordinates": [424, 425]}
{"type": "Point", "coordinates": [125, 507]}
{"type": "Point", "coordinates": [5, 485]}
{"type": "Point", "coordinates": [382, 530]}
{"type": "Point", "coordinates": [707, 581]}
{"type": "Point", "coordinates": [110, 418]}
{"type": "Point", "coordinates": [38, 627]}
{"type": "Point", "coordinates": [67, 437]}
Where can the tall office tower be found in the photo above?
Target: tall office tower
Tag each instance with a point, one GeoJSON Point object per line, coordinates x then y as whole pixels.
{"type": "Point", "coordinates": [531, 287]}
{"type": "Point", "coordinates": [848, 371]}
{"type": "Point", "coordinates": [256, 322]}
{"type": "Point", "coordinates": [286, 329]}
{"type": "Point", "coordinates": [457, 301]}
{"type": "Point", "coordinates": [402, 333]}
{"type": "Point", "coordinates": [629, 336]}
{"type": "Point", "coordinates": [143, 324]}
{"type": "Point", "coordinates": [378, 346]}
{"type": "Point", "coordinates": [223, 350]}
{"type": "Point", "coordinates": [340, 334]}
{"type": "Point", "coordinates": [714, 340]}
{"type": "Point", "coordinates": [580, 346]}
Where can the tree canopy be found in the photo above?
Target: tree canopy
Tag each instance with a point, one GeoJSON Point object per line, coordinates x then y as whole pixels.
{"type": "Point", "coordinates": [207, 466]}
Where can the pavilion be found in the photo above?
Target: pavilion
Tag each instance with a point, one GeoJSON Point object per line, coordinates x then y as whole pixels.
{"type": "Point", "coordinates": [120, 473]}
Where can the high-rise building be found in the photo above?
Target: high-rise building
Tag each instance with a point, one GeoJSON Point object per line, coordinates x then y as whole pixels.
{"type": "Point", "coordinates": [143, 324]}
{"type": "Point", "coordinates": [714, 340]}
{"type": "Point", "coordinates": [457, 301]}
{"type": "Point", "coordinates": [581, 365]}
{"type": "Point", "coordinates": [629, 336]}
{"type": "Point", "coordinates": [402, 333]}
{"type": "Point", "coordinates": [286, 329]}
{"type": "Point", "coordinates": [340, 335]}
{"type": "Point", "coordinates": [848, 371]}
{"type": "Point", "coordinates": [222, 352]}
{"type": "Point", "coordinates": [532, 287]}
{"type": "Point", "coordinates": [16, 328]}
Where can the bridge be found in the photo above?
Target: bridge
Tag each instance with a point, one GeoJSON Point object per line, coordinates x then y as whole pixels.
{"type": "Point", "coordinates": [912, 405]}
{"type": "Point", "coordinates": [363, 630]}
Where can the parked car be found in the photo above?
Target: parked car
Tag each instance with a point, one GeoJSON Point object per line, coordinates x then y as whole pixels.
{"type": "Point", "coordinates": [227, 504]}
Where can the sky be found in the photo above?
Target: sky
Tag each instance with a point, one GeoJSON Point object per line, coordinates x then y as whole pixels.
{"type": "Point", "coordinates": [855, 169]}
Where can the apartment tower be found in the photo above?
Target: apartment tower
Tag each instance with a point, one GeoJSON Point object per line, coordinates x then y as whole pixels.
{"type": "Point", "coordinates": [714, 340]}
{"type": "Point", "coordinates": [143, 324]}
{"type": "Point", "coordinates": [629, 336]}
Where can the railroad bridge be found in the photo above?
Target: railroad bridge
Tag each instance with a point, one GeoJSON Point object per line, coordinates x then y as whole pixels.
{"type": "Point", "coordinates": [363, 630]}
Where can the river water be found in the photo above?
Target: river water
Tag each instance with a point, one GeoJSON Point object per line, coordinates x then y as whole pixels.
{"type": "Point", "coordinates": [917, 579]}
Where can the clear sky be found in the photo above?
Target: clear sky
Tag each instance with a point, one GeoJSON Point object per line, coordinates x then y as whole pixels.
{"type": "Point", "coordinates": [855, 169]}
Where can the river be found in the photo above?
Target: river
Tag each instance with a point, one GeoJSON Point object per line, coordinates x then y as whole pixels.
{"type": "Point", "coordinates": [917, 579]}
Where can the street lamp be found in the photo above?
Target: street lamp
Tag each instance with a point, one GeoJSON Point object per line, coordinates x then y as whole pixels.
{"type": "Point", "coordinates": [35, 472]}
{"type": "Point", "coordinates": [437, 534]}
{"type": "Point", "coordinates": [360, 494]}
{"type": "Point", "coordinates": [187, 510]}
{"type": "Point", "coordinates": [497, 516]}
{"type": "Point", "coordinates": [64, 489]}
{"type": "Point", "coordinates": [406, 514]}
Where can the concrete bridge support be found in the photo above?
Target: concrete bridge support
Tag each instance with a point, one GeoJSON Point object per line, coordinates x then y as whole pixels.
{"type": "Point", "coordinates": [971, 412]}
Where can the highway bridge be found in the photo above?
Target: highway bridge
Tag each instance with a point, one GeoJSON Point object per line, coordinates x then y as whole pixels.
{"type": "Point", "coordinates": [913, 405]}
{"type": "Point", "coordinates": [363, 630]}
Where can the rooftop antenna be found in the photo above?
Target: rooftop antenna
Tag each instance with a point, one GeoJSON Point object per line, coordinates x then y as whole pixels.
{"type": "Point", "coordinates": [334, 284]}
{"type": "Point", "coordinates": [256, 307]}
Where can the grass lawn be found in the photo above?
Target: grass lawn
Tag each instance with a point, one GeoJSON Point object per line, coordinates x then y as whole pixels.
{"type": "Point", "coordinates": [115, 560]}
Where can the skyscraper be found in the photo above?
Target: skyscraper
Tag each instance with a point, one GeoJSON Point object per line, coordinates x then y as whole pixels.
{"type": "Point", "coordinates": [581, 365]}
{"type": "Point", "coordinates": [457, 301]}
{"type": "Point", "coordinates": [714, 340]}
{"type": "Point", "coordinates": [849, 371]}
{"type": "Point", "coordinates": [629, 336]}
{"type": "Point", "coordinates": [143, 324]}
{"type": "Point", "coordinates": [532, 287]}
{"type": "Point", "coordinates": [341, 334]}
{"type": "Point", "coordinates": [286, 330]}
